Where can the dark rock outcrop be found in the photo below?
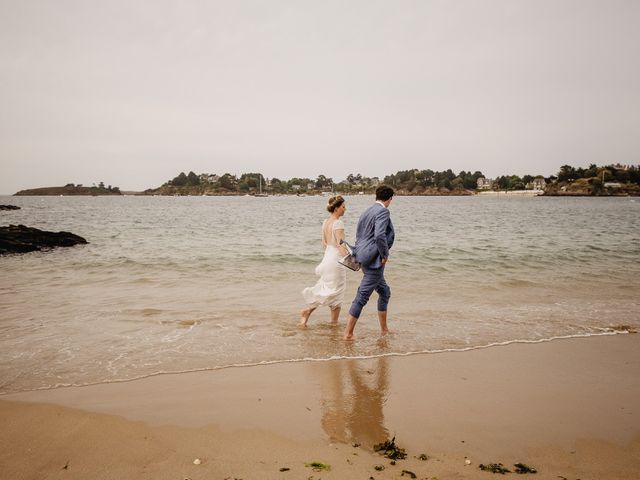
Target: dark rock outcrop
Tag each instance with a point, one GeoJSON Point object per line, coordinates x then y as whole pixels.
{"type": "Point", "coordinates": [9, 207]}
{"type": "Point", "coordinates": [21, 239]}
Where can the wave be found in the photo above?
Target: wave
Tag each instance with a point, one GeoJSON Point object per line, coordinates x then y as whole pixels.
{"type": "Point", "coordinates": [604, 331]}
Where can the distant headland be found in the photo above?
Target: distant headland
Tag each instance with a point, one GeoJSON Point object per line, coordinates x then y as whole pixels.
{"type": "Point", "coordinates": [610, 180]}
{"type": "Point", "coordinates": [72, 189]}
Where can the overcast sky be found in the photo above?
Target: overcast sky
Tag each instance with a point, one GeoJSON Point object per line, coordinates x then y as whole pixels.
{"type": "Point", "coordinates": [133, 92]}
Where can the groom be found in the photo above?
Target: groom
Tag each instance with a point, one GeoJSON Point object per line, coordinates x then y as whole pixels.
{"type": "Point", "coordinates": [374, 238]}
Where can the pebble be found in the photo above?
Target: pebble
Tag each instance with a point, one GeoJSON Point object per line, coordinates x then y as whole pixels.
{"type": "Point", "coordinates": [467, 462]}
{"type": "Point", "coordinates": [197, 461]}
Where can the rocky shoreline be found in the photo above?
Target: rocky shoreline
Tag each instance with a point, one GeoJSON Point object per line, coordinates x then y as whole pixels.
{"type": "Point", "coordinates": [22, 239]}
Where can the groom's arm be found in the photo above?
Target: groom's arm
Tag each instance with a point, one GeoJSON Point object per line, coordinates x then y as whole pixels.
{"type": "Point", "coordinates": [380, 232]}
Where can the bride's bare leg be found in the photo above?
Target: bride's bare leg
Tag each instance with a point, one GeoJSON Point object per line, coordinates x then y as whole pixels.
{"type": "Point", "coordinates": [304, 316]}
{"type": "Point", "coordinates": [335, 314]}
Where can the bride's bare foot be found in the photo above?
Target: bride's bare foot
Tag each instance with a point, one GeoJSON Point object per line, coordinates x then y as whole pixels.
{"type": "Point", "coordinates": [384, 332]}
{"type": "Point", "coordinates": [304, 316]}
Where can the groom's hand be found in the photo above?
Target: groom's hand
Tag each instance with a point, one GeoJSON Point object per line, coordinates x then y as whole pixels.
{"type": "Point", "coordinates": [384, 260]}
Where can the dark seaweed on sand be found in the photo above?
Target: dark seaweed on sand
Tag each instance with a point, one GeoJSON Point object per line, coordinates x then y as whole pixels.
{"type": "Point", "coordinates": [523, 468]}
{"type": "Point", "coordinates": [409, 473]}
{"type": "Point", "coordinates": [494, 468]}
{"type": "Point", "coordinates": [318, 466]}
{"type": "Point", "coordinates": [390, 450]}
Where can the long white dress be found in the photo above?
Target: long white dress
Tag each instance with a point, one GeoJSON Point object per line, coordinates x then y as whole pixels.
{"type": "Point", "coordinates": [329, 290]}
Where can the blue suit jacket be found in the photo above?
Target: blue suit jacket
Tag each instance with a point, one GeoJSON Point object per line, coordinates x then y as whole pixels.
{"type": "Point", "coordinates": [374, 236]}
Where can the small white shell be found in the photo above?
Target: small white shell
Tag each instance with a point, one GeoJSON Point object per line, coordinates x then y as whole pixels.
{"type": "Point", "coordinates": [467, 462]}
{"type": "Point", "coordinates": [197, 461]}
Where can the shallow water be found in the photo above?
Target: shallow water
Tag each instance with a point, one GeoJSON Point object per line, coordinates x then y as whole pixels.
{"type": "Point", "coordinates": [172, 284]}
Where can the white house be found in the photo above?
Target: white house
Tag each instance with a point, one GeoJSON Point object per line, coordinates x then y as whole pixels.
{"type": "Point", "coordinates": [484, 183]}
{"type": "Point", "coordinates": [539, 183]}
{"type": "Point", "coordinates": [205, 177]}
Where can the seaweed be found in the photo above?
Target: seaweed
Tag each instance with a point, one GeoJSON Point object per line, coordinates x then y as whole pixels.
{"type": "Point", "coordinates": [318, 466]}
{"type": "Point", "coordinates": [285, 469]}
{"type": "Point", "coordinates": [390, 450]}
{"type": "Point", "coordinates": [408, 473]}
{"type": "Point", "coordinates": [494, 468]}
{"type": "Point", "coordinates": [379, 468]}
{"type": "Point", "coordinates": [623, 328]}
{"type": "Point", "coordinates": [524, 468]}
{"type": "Point", "coordinates": [423, 457]}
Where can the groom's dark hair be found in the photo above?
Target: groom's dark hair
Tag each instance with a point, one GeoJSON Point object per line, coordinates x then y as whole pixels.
{"type": "Point", "coordinates": [384, 193]}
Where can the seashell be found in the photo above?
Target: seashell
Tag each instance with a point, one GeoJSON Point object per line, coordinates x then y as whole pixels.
{"type": "Point", "coordinates": [467, 462]}
{"type": "Point", "coordinates": [197, 461]}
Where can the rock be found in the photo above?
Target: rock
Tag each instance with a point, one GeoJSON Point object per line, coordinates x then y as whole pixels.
{"type": "Point", "coordinates": [9, 207]}
{"type": "Point", "coordinates": [21, 239]}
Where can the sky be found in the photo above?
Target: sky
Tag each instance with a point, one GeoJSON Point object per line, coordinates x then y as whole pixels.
{"type": "Point", "coordinates": [131, 93]}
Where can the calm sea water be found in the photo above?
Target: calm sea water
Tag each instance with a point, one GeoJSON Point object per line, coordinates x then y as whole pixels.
{"type": "Point", "coordinates": [171, 284]}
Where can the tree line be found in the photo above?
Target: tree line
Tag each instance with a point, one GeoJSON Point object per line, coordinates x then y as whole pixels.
{"type": "Point", "coordinates": [413, 181]}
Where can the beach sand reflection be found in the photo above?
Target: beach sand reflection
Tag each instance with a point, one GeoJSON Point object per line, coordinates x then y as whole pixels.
{"type": "Point", "coordinates": [353, 395]}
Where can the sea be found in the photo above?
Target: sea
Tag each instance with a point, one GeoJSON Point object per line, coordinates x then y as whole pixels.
{"type": "Point", "coordinates": [180, 284]}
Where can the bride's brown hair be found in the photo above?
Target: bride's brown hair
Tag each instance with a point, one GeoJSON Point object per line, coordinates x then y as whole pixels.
{"type": "Point", "coordinates": [334, 202]}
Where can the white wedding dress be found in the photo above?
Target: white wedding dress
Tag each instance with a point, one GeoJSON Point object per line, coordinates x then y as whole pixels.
{"type": "Point", "coordinates": [329, 290]}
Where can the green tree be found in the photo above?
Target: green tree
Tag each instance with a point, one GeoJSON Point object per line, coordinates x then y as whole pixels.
{"type": "Point", "coordinates": [193, 179]}
{"type": "Point", "coordinates": [228, 182]}
{"type": "Point", "coordinates": [567, 173]}
{"type": "Point", "coordinates": [592, 171]}
{"type": "Point", "coordinates": [323, 182]}
{"type": "Point", "coordinates": [179, 181]}
{"type": "Point", "coordinates": [621, 176]}
{"type": "Point", "coordinates": [457, 183]}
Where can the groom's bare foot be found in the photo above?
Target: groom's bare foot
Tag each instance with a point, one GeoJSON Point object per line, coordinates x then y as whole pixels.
{"type": "Point", "coordinates": [349, 338]}
{"type": "Point", "coordinates": [384, 332]}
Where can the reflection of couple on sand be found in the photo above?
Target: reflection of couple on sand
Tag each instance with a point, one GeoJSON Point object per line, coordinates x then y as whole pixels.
{"type": "Point", "coordinates": [374, 238]}
{"type": "Point", "coordinates": [353, 397]}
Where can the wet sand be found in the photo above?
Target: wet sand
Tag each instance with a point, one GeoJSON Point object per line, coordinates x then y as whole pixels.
{"type": "Point", "coordinates": [568, 407]}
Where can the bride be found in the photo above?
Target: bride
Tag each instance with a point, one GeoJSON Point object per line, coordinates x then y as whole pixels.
{"type": "Point", "coordinates": [329, 290]}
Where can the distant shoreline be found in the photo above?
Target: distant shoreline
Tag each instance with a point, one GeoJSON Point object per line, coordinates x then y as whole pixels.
{"type": "Point", "coordinates": [501, 193]}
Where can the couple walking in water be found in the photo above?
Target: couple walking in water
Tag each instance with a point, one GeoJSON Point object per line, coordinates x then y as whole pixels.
{"type": "Point", "coordinates": [374, 238]}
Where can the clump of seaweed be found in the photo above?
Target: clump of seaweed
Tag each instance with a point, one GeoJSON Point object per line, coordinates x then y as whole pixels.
{"type": "Point", "coordinates": [318, 466]}
{"type": "Point", "coordinates": [623, 328]}
{"type": "Point", "coordinates": [494, 468]}
{"type": "Point", "coordinates": [390, 450]}
{"type": "Point", "coordinates": [524, 468]}
{"type": "Point", "coordinates": [379, 468]}
{"type": "Point", "coordinates": [408, 473]}
{"type": "Point", "coordinates": [423, 457]}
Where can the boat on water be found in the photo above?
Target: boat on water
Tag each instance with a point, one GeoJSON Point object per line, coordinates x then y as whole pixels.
{"type": "Point", "coordinates": [260, 194]}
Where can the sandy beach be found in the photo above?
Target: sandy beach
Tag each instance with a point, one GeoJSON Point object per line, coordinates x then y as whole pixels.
{"type": "Point", "coordinates": [566, 407]}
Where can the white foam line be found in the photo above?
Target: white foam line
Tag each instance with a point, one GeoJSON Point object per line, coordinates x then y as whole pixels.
{"type": "Point", "coordinates": [328, 359]}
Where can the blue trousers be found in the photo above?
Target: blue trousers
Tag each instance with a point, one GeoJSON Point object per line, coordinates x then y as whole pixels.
{"type": "Point", "coordinates": [373, 279]}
